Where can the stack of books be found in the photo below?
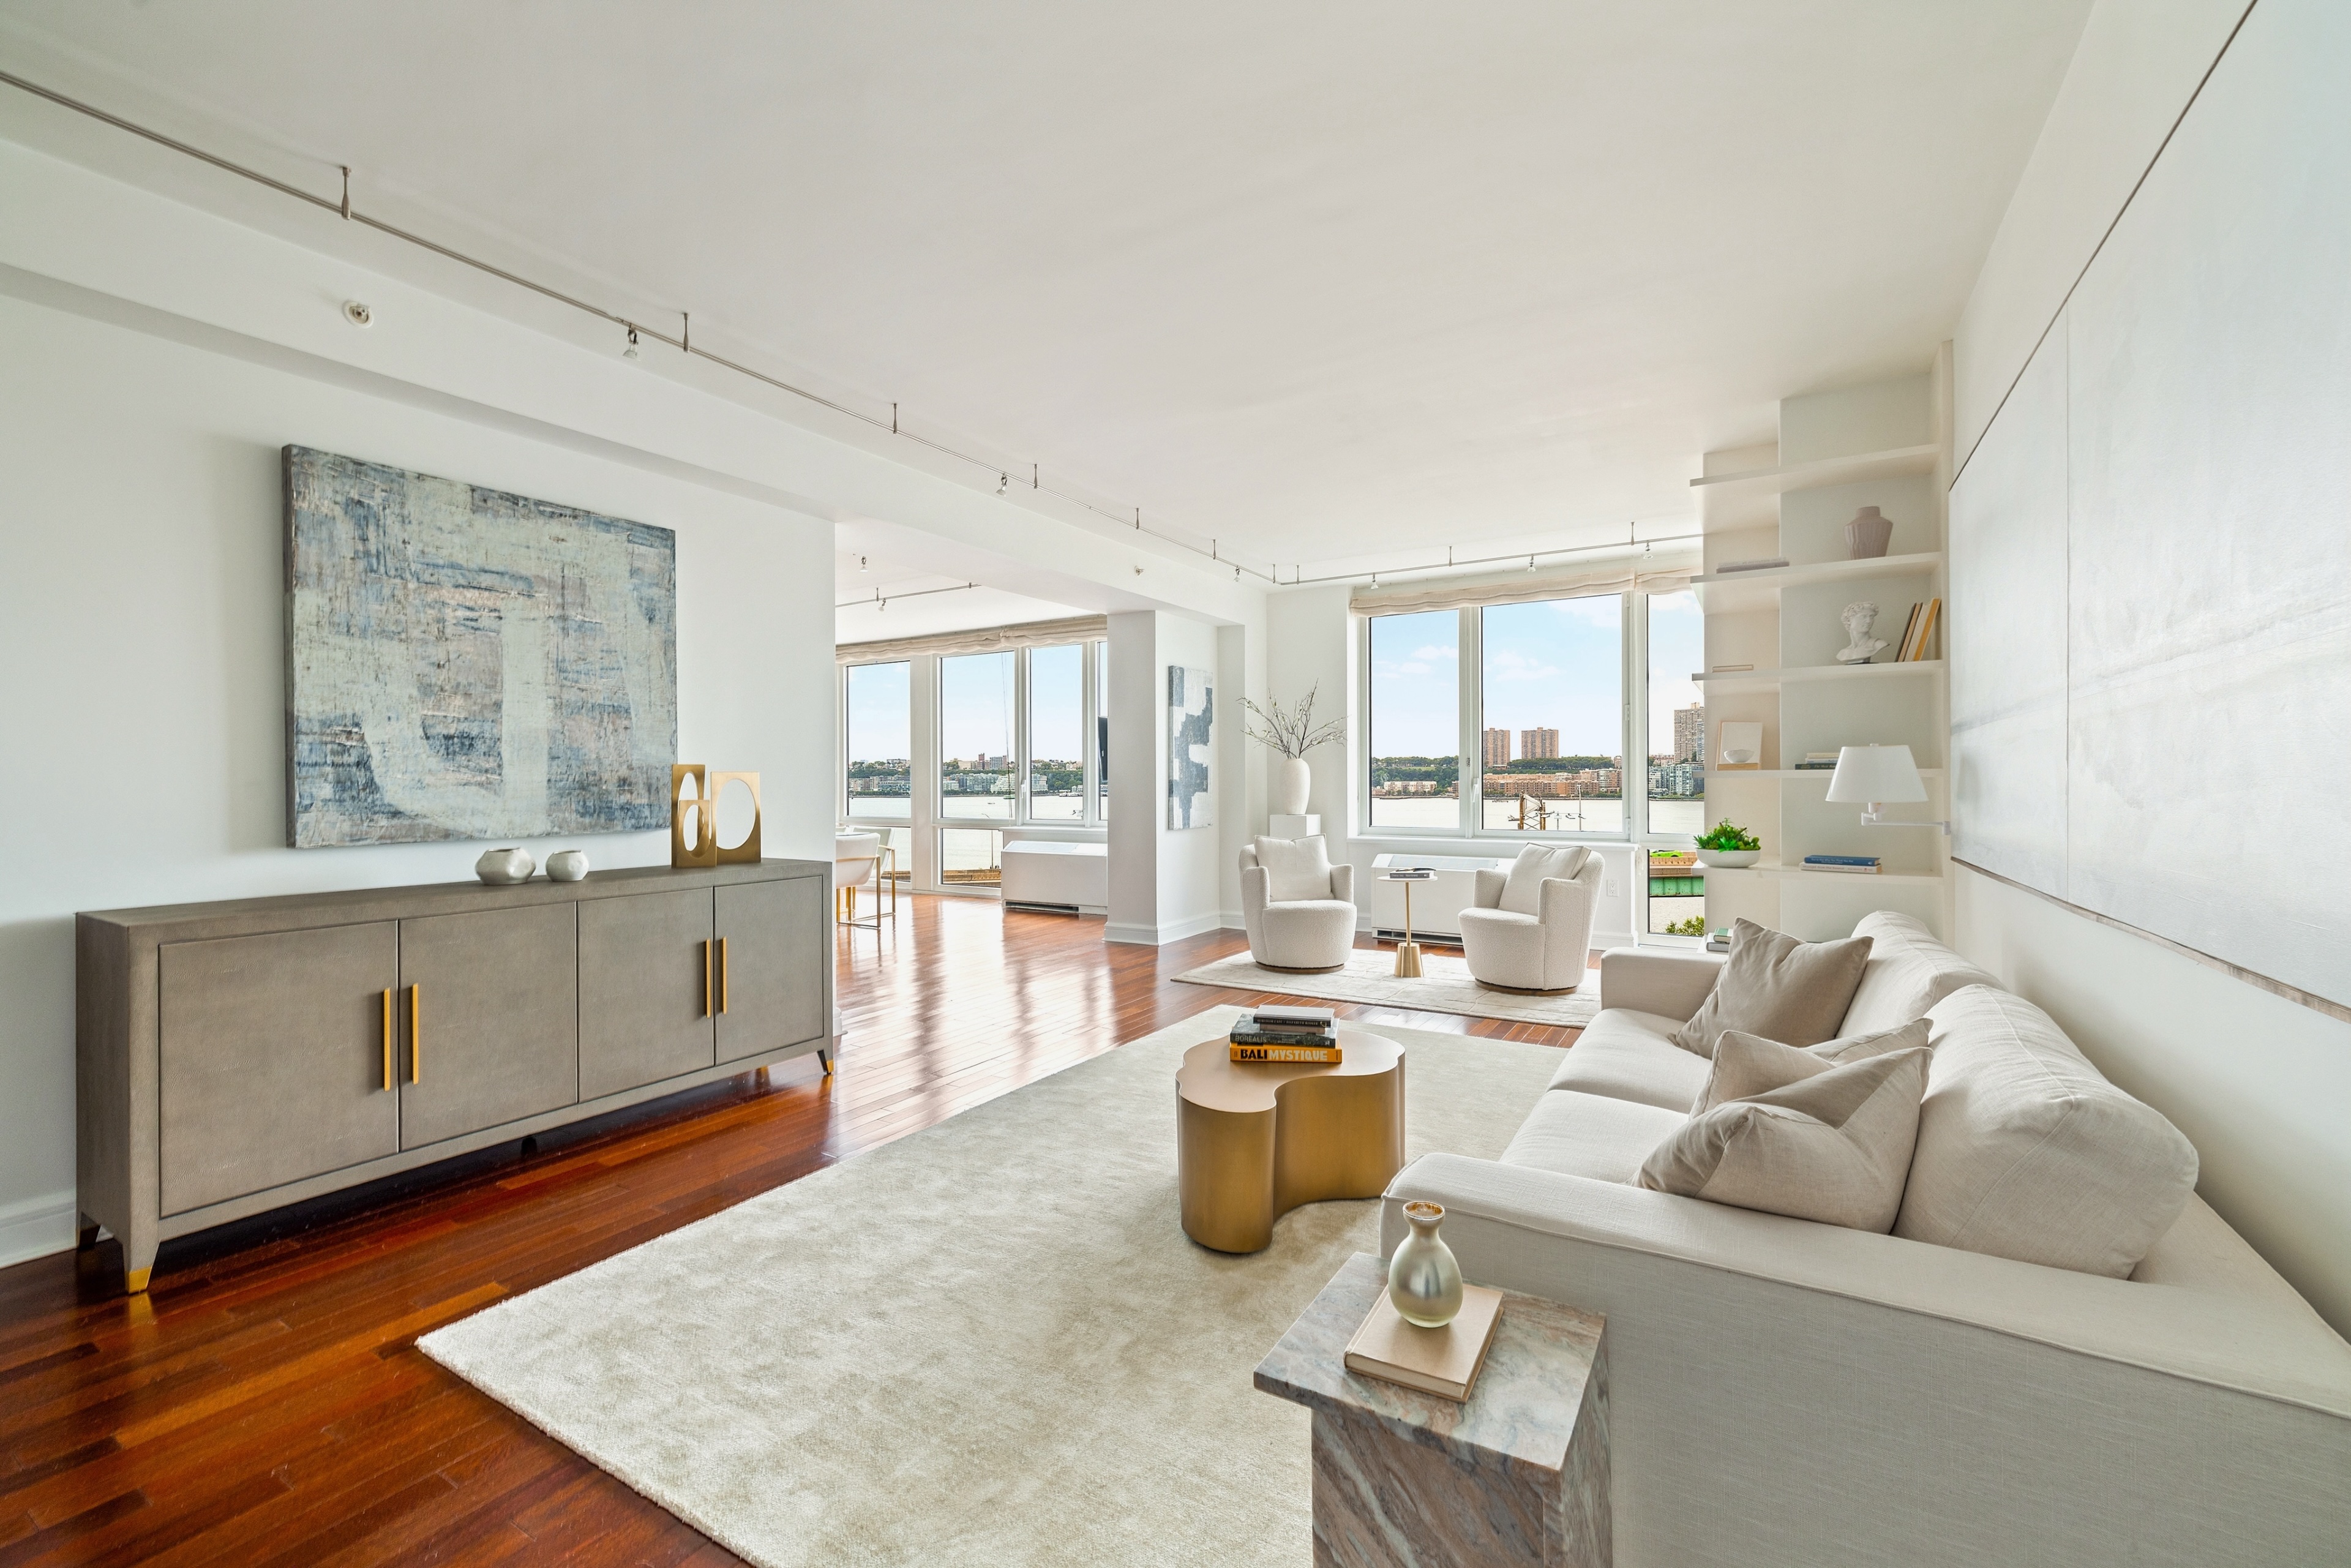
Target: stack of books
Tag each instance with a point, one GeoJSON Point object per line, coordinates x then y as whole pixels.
{"type": "Point", "coordinates": [1918, 632]}
{"type": "Point", "coordinates": [1286, 1034]}
{"type": "Point", "coordinates": [1864, 863]}
{"type": "Point", "coordinates": [1815, 761]}
{"type": "Point", "coordinates": [1719, 942]}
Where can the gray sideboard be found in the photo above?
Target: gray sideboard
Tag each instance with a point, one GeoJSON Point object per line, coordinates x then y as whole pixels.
{"type": "Point", "coordinates": [237, 1057]}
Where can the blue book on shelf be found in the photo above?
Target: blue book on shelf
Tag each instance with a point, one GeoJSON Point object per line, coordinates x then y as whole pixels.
{"type": "Point", "coordinates": [1840, 860]}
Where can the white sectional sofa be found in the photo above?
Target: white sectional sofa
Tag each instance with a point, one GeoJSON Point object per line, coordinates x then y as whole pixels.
{"type": "Point", "coordinates": [1787, 1393]}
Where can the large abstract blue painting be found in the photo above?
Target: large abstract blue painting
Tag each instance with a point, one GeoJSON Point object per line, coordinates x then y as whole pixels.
{"type": "Point", "coordinates": [1191, 748]}
{"type": "Point", "coordinates": [466, 663]}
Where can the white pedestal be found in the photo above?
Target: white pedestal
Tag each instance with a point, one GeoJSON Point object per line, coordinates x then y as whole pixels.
{"type": "Point", "coordinates": [1283, 825]}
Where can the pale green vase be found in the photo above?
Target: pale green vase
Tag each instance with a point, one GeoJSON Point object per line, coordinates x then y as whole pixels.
{"type": "Point", "coordinates": [1424, 1280]}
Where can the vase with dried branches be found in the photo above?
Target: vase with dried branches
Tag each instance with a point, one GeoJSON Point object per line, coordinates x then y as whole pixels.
{"type": "Point", "coordinates": [1290, 733]}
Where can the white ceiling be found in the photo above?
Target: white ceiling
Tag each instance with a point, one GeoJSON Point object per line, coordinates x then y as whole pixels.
{"type": "Point", "coordinates": [1320, 281]}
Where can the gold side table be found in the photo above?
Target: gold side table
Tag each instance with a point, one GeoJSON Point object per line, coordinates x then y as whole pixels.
{"type": "Point", "coordinates": [1256, 1139]}
{"type": "Point", "coordinates": [1408, 964]}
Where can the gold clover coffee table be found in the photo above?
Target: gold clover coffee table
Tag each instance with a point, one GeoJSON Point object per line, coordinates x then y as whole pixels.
{"type": "Point", "coordinates": [1256, 1139]}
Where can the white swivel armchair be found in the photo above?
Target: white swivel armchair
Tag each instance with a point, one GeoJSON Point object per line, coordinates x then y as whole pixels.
{"type": "Point", "coordinates": [1300, 909]}
{"type": "Point", "coordinates": [1531, 929]}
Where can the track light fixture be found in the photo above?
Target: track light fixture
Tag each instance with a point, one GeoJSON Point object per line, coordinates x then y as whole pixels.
{"type": "Point", "coordinates": [1001, 481]}
{"type": "Point", "coordinates": [630, 351]}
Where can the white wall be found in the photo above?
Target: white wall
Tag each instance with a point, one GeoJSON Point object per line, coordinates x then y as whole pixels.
{"type": "Point", "coordinates": [2228, 266]}
{"type": "Point", "coordinates": [1164, 883]}
{"type": "Point", "coordinates": [142, 628]}
{"type": "Point", "coordinates": [2131, 75]}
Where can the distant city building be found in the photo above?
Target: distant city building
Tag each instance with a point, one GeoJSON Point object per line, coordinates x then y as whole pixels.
{"type": "Point", "coordinates": [1689, 733]}
{"type": "Point", "coordinates": [1681, 779]}
{"type": "Point", "coordinates": [1534, 743]}
{"type": "Point", "coordinates": [1497, 748]}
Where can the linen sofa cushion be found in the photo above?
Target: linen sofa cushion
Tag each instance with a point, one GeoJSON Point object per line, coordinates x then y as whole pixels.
{"type": "Point", "coordinates": [2026, 1151]}
{"type": "Point", "coordinates": [1295, 869]}
{"type": "Point", "coordinates": [1624, 1055]}
{"type": "Point", "coordinates": [1588, 1136]}
{"type": "Point", "coordinates": [1811, 1139]}
{"type": "Point", "coordinates": [1523, 893]}
{"type": "Point", "coordinates": [1751, 1070]}
{"type": "Point", "coordinates": [1795, 993]}
{"type": "Point", "coordinates": [1908, 972]}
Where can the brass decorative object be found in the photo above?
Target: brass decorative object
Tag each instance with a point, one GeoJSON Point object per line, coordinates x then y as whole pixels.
{"type": "Point", "coordinates": [1407, 959]}
{"type": "Point", "coordinates": [693, 817]}
{"type": "Point", "coordinates": [693, 792]}
{"type": "Point", "coordinates": [747, 852]}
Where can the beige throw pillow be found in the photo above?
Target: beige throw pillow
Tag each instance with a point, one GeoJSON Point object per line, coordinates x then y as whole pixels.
{"type": "Point", "coordinates": [1522, 893]}
{"type": "Point", "coordinates": [1827, 1142]}
{"type": "Point", "coordinates": [1776, 987]}
{"type": "Point", "coordinates": [1295, 869]}
{"type": "Point", "coordinates": [2025, 1151]}
{"type": "Point", "coordinates": [1737, 1073]}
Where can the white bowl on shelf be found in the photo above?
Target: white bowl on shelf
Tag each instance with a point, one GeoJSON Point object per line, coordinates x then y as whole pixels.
{"type": "Point", "coordinates": [1728, 860]}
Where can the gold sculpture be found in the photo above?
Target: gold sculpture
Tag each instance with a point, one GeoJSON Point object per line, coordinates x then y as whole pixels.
{"type": "Point", "coordinates": [747, 852]}
{"type": "Point", "coordinates": [693, 792]}
{"type": "Point", "coordinates": [692, 821]}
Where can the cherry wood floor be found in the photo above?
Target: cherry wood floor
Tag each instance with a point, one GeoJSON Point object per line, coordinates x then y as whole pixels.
{"type": "Point", "coordinates": [265, 1405]}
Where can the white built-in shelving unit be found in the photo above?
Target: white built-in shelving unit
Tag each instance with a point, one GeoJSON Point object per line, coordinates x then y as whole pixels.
{"type": "Point", "coordinates": [1885, 446]}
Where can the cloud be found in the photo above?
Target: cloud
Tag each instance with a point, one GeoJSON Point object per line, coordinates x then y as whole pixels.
{"type": "Point", "coordinates": [1433, 652]}
{"type": "Point", "coordinates": [1509, 665]}
{"type": "Point", "coordinates": [1596, 610]}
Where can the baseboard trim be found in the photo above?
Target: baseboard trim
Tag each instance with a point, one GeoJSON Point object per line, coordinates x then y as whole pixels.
{"type": "Point", "coordinates": [1142, 935]}
{"type": "Point", "coordinates": [36, 1227]}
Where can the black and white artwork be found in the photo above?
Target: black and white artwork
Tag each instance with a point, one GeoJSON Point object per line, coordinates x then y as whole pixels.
{"type": "Point", "coordinates": [466, 663]}
{"type": "Point", "coordinates": [1191, 724]}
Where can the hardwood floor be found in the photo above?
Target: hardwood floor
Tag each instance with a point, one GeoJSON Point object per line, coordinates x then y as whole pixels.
{"type": "Point", "coordinates": [266, 1403]}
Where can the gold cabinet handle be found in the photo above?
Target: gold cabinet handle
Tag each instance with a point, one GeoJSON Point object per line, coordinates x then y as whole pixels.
{"type": "Point", "coordinates": [705, 979]}
{"type": "Point", "coordinates": [387, 1039]}
{"type": "Point", "coordinates": [415, 1034]}
{"type": "Point", "coordinates": [724, 975]}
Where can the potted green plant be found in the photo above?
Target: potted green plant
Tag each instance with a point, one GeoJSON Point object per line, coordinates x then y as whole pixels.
{"type": "Point", "coordinates": [1728, 845]}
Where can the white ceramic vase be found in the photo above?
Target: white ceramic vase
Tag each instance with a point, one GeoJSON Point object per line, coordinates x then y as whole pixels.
{"type": "Point", "coordinates": [503, 868]}
{"type": "Point", "coordinates": [567, 866]}
{"type": "Point", "coordinates": [1287, 786]}
{"type": "Point", "coordinates": [1424, 1276]}
{"type": "Point", "coordinates": [1868, 534]}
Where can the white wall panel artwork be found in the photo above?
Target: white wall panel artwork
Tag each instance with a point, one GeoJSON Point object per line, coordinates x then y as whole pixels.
{"type": "Point", "coordinates": [2007, 636]}
{"type": "Point", "coordinates": [2195, 426]}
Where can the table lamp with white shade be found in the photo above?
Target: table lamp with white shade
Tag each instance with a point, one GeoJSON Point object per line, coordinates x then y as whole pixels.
{"type": "Point", "coordinates": [1875, 776]}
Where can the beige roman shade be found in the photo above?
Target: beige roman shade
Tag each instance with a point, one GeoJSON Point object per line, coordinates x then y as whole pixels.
{"type": "Point", "coordinates": [1028, 634]}
{"type": "Point", "coordinates": [1660, 573]}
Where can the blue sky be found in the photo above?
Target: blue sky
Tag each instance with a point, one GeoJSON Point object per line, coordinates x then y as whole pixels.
{"type": "Point", "coordinates": [877, 712]}
{"type": "Point", "coordinates": [1553, 665]}
{"type": "Point", "coordinates": [1057, 703]}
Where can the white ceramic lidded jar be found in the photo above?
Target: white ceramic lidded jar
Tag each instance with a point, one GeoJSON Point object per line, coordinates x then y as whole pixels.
{"type": "Point", "coordinates": [503, 868]}
{"type": "Point", "coordinates": [1424, 1278]}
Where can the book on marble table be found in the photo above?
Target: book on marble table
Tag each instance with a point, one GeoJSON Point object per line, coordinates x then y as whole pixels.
{"type": "Point", "coordinates": [1444, 1362]}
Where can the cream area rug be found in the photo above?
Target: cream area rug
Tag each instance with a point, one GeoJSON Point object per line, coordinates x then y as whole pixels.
{"type": "Point", "coordinates": [1443, 986]}
{"type": "Point", "coordinates": [986, 1343]}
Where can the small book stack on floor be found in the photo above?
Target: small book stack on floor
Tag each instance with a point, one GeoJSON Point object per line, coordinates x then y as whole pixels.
{"type": "Point", "coordinates": [1286, 1034]}
{"type": "Point", "coordinates": [1863, 864]}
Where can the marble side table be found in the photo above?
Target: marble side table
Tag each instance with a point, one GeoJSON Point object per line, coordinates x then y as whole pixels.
{"type": "Point", "coordinates": [1518, 1474]}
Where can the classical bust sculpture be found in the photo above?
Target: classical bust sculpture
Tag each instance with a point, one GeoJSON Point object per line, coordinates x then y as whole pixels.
{"type": "Point", "coordinates": [1858, 617]}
